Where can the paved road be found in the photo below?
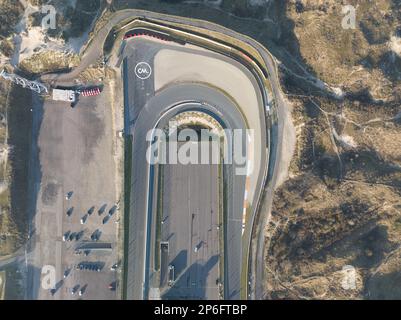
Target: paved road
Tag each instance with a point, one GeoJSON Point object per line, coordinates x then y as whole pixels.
{"type": "Point", "coordinates": [76, 155]}
{"type": "Point", "coordinates": [148, 119]}
{"type": "Point", "coordinates": [141, 120]}
{"type": "Point", "coordinates": [190, 215]}
{"type": "Point", "coordinates": [282, 131]}
{"type": "Point", "coordinates": [138, 93]}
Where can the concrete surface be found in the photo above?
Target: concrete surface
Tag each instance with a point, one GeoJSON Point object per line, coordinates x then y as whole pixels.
{"type": "Point", "coordinates": [282, 136]}
{"type": "Point", "coordinates": [75, 155]}
{"type": "Point", "coordinates": [191, 218]}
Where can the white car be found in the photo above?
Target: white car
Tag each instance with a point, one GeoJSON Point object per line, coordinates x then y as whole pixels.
{"type": "Point", "coordinates": [171, 275]}
{"type": "Point", "coordinates": [198, 246]}
{"type": "Point", "coordinates": [66, 273]}
{"type": "Point", "coordinates": [83, 219]}
{"type": "Point", "coordinates": [66, 236]}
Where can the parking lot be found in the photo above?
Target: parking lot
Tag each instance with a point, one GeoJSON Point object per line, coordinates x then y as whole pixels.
{"type": "Point", "coordinates": [77, 208]}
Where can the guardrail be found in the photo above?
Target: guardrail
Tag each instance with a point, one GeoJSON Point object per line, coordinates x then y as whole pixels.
{"type": "Point", "coordinates": [261, 74]}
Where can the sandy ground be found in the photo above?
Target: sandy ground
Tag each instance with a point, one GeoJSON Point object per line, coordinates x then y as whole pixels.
{"type": "Point", "coordinates": [395, 45]}
{"type": "Point", "coordinates": [2, 284]}
{"type": "Point", "coordinates": [30, 40]}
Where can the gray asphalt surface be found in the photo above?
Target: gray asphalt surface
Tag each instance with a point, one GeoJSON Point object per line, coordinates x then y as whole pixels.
{"type": "Point", "coordinates": [147, 120]}
{"type": "Point", "coordinates": [190, 215]}
{"type": "Point", "coordinates": [75, 155]}
{"type": "Point", "coordinates": [282, 133]}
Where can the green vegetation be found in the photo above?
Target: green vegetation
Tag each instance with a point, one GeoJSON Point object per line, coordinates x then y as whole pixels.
{"type": "Point", "coordinates": [71, 22]}
{"type": "Point", "coordinates": [13, 289]}
{"type": "Point", "coordinates": [10, 15]}
{"type": "Point", "coordinates": [2, 284]}
{"type": "Point", "coordinates": [243, 9]}
{"type": "Point", "coordinates": [127, 197]}
{"type": "Point", "coordinates": [159, 214]}
{"type": "Point", "coordinates": [221, 222]}
{"type": "Point", "coordinates": [7, 47]}
{"type": "Point", "coordinates": [14, 202]}
{"type": "Point", "coordinates": [48, 61]}
{"type": "Point", "coordinates": [81, 18]}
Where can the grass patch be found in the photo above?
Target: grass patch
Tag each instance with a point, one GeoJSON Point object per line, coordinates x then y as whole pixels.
{"type": "Point", "coordinates": [19, 132]}
{"type": "Point", "coordinates": [14, 200]}
{"type": "Point", "coordinates": [3, 134]}
{"type": "Point", "coordinates": [2, 284]}
{"type": "Point", "coordinates": [127, 198]}
{"type": "Point", "coordinates": [13, 289]}
{"type": "Point", "coordinates": [10, 14]}
{"type": "Point", "coordinates": [159, 215]}
{"type": "Point", "coordinates": [397, 225]}
{"type": "Point", "coordinates": [5, 198]}
{"type": "Point", "coordinates": [81, 18]}
{"type": "Point", "coordinates": [225, 213]}
{"type": "Point", "coordinates": [245, 266]}
{"type": "Point", "coordinates": [221, 222]}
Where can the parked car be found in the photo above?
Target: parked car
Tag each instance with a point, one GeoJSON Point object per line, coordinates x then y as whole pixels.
{"type": "Point", "coordinates": [66, 235]}
{"type": "Point", "coordinates": [82, 290]}
{"type": "Point", "coordinates": [96, 235]}
{"type": "Point", "coordinates": [66, 273]}
{"type": "Point", "coordinates": [171, 275]}
{"type": "Point", "coordinates": [74, 290]}
{"type": "Point", "coordinates": [84, 218]}
{"type": "Point", "coordinates": [70, 211]}
{"type": "Point", "coordinates": [72, 236]}
{"type": "Point", "coordinates": [113, 286]}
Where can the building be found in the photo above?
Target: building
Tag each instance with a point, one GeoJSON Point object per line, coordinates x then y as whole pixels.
{"type": "Point", "coordinates": [64, 95]}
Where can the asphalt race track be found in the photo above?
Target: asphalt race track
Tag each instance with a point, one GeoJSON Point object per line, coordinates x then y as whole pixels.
{"type": "Point", "coordinates": [145, 110]}
{"type": "Point", "coordinates": [190, 208]}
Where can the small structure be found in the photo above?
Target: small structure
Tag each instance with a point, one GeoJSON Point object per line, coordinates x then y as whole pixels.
{"type": "Point", "coordinates": [171, 275]}
{"type": "Point", "coordinates": [25, 83]}
{"type": "Point", "coordinates": [164, 264]}
{"type": "Point", "coordinates": [64, 95]}
{"type": "Point", "coordinates": [94, 246]}
{"type": "Point", "coordinates": [90, 92]}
